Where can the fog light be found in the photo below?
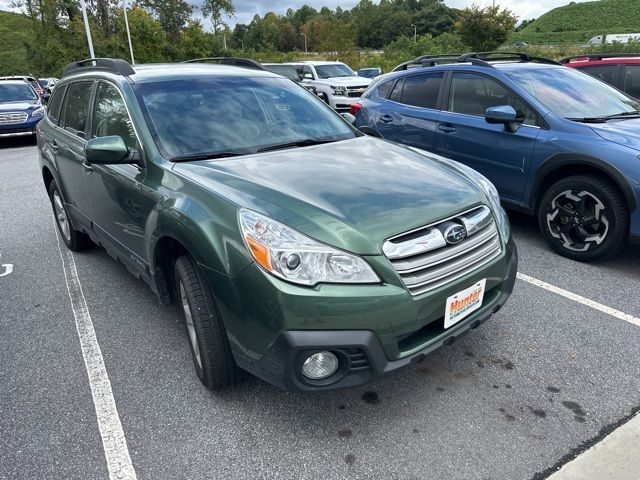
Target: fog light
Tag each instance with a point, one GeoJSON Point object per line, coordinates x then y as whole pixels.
{"type": "Point", "coordinates": [320, 365]}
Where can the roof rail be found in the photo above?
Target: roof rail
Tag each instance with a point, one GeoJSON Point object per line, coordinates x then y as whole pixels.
{"type": "Point", "coordinates": [598, 56]}
{"type": "Point", "coordinates": [112, 65]}
{"type": "Point", "coordinates": [426, 61]}
{"type": "Point", "coordinates": [498, 56]}
{"type": "Point", "coordinates": [234, 61]}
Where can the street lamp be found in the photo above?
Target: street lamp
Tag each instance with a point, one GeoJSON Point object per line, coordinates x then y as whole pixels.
{"type": "Point", "coordinates": [126, 23]}
{"type": "Point", "coordinates": [305, 41]}
{"type": "Point", "coordinates": [415, 33]}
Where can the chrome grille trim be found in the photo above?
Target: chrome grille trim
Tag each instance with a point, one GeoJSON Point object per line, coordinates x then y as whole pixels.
{"type": "Point", "coordinates": [424, 261]}
{"type": "Point", "coordinates": [10, 118]}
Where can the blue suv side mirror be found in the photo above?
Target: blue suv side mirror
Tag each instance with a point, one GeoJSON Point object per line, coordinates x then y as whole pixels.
{"type": "Point", "coordinates": [505, 114]}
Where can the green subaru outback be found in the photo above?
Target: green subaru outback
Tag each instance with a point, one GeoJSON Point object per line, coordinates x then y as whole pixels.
{"type": "Point", "coordinates": [297, 248]}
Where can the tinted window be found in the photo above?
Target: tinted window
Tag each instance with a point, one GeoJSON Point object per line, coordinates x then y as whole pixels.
{"type": "Point", "coordinates": [242, 115]}
{"type": "Point", "coordinates": [53, 109]}
{"type": "Point", "coordinates": [396, 93]}
{"type": "Point", "coordinates": [76, 106]}
{"type": "Point", "coordinates": [385, 89]}
{"type": "Point", "coordinates": [606, 73]}
{"type": "Point", "coordinates": [334, 70]}
{"type": "Point", "coordinates": [288, 71]}
{"type": "Point", "coordinates": [571, 93]}
{"type": "Point", "coordinates": [632, 80]}
{"type": "Point", "coordinates": [16, 92]}
{"type": "Point", "coordinates": [110, 115]}
{"type": "Point", "coordinates": [422, 90]}
{"type": "Point", "coordinates": [472, 94]}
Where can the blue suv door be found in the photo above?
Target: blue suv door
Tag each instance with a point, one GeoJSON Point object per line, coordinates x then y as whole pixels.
{"type": "Point", "coordinates": [410, 114]}
{"type": "Point", "coordinates": [463, 134]}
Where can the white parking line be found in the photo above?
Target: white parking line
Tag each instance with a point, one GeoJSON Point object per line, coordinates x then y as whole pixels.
{"type": "Point", "coordinates": [580, 299]}
{"type": "Point", "coordinates": [113, 440]}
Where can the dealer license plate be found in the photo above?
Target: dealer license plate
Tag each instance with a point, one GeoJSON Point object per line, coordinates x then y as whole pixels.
{"type": "Point", "coordinates": [464, 303]}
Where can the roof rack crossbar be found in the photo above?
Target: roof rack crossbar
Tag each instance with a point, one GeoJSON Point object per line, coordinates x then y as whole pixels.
{"type": "Point", "coordinates": [502, 56]}
{"type": "Point", "coordinates": [598, 56]}
{"type": "Point", "coordinates": [112, 65]}
{"type": "Point", "coordinates": [233, 61]}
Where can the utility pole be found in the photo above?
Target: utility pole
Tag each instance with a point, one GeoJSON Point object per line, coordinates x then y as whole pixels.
{"type": "Point", "coordinates": [305, 42]}
{"type": "Point", "coordinates": [415, 33]}
{"type": "Point", "coordinates": [126, 23]}
{"type": "Point", "coordinates": [224, 41]}
{"type": "Point", "coordinates": [86, 27]}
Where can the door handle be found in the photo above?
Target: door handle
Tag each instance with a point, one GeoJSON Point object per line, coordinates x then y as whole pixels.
{"type": "Point", "coordinates": [446, 128]}
{"type": "Point", "coordinates": [87, 166]}
{"type": "Point", "coordinates": [386, 118]}
{"type": "Point", "coordinates": [54, 146]}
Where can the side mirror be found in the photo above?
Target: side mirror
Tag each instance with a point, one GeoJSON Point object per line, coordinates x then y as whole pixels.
{"type": "Point", "coordinates": [504, 114]}
{"type": "Point", "coordinates": [348, 117]}
{"type": "Point", "coordinates": [106, 150]}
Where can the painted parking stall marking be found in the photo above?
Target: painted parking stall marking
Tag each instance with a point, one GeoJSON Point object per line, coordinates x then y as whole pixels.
{"type": "Point", "coordinates": [113, 439]}
{"type": "Point", "coordinates": [580, 299]}
{"type": "Point", "coordinates": [5, 269]}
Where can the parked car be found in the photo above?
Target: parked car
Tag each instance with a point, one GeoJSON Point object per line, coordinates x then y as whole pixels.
{"type": "Point", "coordinates": [622, 70]}
{"type": "Point", "coordinates": [297, 248]}
{"type": "Point", "coordinates": [370, 72]}
{"type": "Point", "coordinates": [33, 81]}
{"type": "Point", "coordinates": [20, 109]}
{"type": "Point", "coordinates": [335, 82]}
{"type": "Point", "coordinates": [557, 143]}
{"type": "Point", "coordinates": [290, 72]}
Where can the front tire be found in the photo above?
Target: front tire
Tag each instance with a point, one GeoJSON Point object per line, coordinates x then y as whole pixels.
{"type": "Point", "coordinates": [584, 217]}
{"type": "Point", "coordinates": [208, 340]}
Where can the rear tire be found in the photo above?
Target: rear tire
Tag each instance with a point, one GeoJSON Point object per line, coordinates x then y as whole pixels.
{"type": "Point", "coordinates": [208, 340]}
{"type": "Point", "coordinates": [584, 217]}
{"type": "Point", "coordinates": [73, 239]}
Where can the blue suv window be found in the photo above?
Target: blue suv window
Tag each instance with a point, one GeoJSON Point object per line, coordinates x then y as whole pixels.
{"type": "Point", "coordinates": [472, 94]}
{"type": "Point", "coordinates": [422, 90]}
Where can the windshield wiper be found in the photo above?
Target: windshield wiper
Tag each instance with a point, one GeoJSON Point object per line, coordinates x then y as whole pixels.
{"type": "Point", "coordinates": [588, 119]}
{"type": "Point", "coordinates": [604, 119]}
{"type": "Point", "coordinates": [298, 143]}
{"type": "Point", "coordinates": [633, 113]}
{"type": "Point", "coordinates": [207, 156]}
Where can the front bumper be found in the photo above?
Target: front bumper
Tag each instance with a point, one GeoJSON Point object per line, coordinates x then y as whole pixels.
{"type": "Point", "coordinates": [342, 103]}
{"type": "Point", "coordinates": [370, 350]}
{"type": "Point", "coordinates": [20, 129]}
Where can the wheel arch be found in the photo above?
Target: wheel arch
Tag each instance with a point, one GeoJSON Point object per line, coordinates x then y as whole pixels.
{"type": "Point", "coordinates": [564, 165]}
{"type": "Point", "coordinates": [47, 177]}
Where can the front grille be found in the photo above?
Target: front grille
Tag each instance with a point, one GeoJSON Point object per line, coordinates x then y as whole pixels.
{"type": "Point", "coordinates": [425, 260]}
{"type": "Point", "coordinates": [356, 92]}
{"type": "Point", "coordinates": [10, 118]}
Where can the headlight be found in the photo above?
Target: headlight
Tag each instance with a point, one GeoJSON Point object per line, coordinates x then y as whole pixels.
{"type": "Point", "coordinates": [340, 91]}
{"type": "Point", "coordinates": [490, 191]}
{"type": "Point", "coordinates": [39, 112]}
{"type": "Point", "coordinates": [288, 254]}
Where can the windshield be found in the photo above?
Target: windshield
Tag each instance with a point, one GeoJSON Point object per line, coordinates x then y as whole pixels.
{"type": "Point", "coordinates": [16, 92]}
{"type": "Point", "coordinates": [284, 70]}
{"type": "Point", "coordinates": [573, 94]}
{"type": "Point", "coordinates": [368, 73]}
{"type": "Point", "coordinates": [221, 116]}
{"type": "Point", "coordinates": [334, 70]}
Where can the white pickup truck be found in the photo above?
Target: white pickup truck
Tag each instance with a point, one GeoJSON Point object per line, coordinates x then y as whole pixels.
{"type": "Point", "coordinates": [334, 82]}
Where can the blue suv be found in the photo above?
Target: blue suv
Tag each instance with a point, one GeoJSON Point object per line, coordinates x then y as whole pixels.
{"type": "Point", "coordinates": [557, 143]}
{"type": "Point", "coordinates": [20, 109]}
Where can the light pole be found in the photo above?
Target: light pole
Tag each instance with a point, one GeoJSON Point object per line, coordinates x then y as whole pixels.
{"type": "Point", "coordinates": [305, 41]}
{"type": "Point", "coordinates": [126, 23]}
{"type": "Point", "coordinates": [86, 27]}
{"type": "Point", "coordinates": [415, 33]}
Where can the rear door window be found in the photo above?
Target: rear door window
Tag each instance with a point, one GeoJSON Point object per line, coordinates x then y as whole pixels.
{"type": "Point", "coordinates": [606, 73]}
{"type": "Point", "coordinates": [76, 107]}
{"type": "Point", "coordinates": [396, 93]}
{"type": "Point", "coordinates": [422, 90]}
{"type": "Point", "coordinates": [632, 80]}
{"type": "Point", "coordinates": [53, 109]}
{"type": "Point", "coordinates": [384, 89]}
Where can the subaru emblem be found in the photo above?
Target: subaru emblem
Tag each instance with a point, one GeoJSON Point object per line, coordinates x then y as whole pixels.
{"type": "Point", "coordinates": [455, 234]}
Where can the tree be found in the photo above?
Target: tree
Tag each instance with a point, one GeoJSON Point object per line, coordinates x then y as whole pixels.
{"type": "Point", "coordinates": [485, 29]}
{"type": "Point", "coordinates": [172, 14]}
{"type": "Point", "coordinates": [524, 24]}
{"type": "Point", "coordinates": [216, 9]}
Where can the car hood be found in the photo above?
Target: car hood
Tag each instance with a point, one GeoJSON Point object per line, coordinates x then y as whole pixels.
{"type": "Point", "coordinates": [18, 106]}
{"type": "Point", "coordinates": [352, 194]}
{"type": "Point", "coordinates": [623, 132]}
{"type": "Point", "coordinates": [346, 81]}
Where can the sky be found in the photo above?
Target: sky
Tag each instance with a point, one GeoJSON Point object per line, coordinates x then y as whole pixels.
{"type": "Point", "coordinates": [246, 9]}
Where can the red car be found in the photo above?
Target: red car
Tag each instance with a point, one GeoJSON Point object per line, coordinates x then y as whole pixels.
{"type": "Point", "coordinates": [622, 70]}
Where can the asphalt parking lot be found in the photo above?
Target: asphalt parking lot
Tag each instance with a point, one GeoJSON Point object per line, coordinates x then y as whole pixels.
{"type": "Point", "coordinates": [515, 399]}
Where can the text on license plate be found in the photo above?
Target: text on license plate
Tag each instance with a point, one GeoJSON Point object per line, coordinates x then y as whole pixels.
{"type": "Point", "coordinates": [463, 303]}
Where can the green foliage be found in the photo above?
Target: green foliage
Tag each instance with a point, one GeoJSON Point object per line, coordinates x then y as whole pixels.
{"type": "Point", "coordinates": [172, 14]}
{"type": "Point", "coordinates": [578, 22]}
{"type": "Point", "coordinates": [216, 9]}
{"type": "Point", "coordinates": [485, 29]}
{"type": "Point", "coordinates": [15, 35]}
